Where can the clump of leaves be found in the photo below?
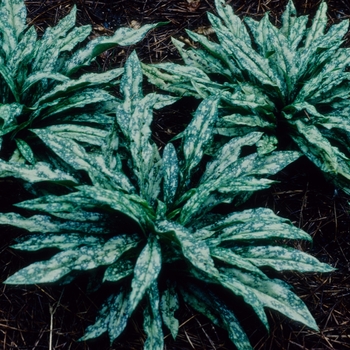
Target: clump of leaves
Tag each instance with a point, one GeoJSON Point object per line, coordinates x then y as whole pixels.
{"type": "Point", "coordinates": [179, 249]}
{"type": "Point", "coordinates": [43, 88]}
{"type": "Point", "coordinates": [291, 82]}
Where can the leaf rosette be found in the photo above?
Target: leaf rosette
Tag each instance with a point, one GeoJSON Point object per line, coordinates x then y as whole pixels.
{"type": "Point", "coordinates": [43, 88]}
{"type": "Point", "coordinates": [291, 82]}
{"type": "Point", "coordinates": [177, 248]}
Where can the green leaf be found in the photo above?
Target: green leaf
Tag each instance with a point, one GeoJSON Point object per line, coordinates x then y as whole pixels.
{"type": "Point", "coordinates": [25, 150]}
{"type": "Point", "coordinates": [171, 173]}
{"type": "Point", "coordinates": [22, 55]}
{"type": "Point", "coordinates": [229, 257]}
{"type": "Point", "coordinates": [146, 271]}
{"type": "Point", "coordinates": [79, 100]}
{"type": "Point", "coordinates": [318, 26]}
{"type": "Point", "coordinates": [62, 241]}
{"type": "Point", "coordinates": [218, 52]}
{"type": "Point", "coordinates": [131, 205]}
{"type": "Point", "coordinates": [293, 27]}
{"type": "Point", "coordinates": [34, 173]}
{"type": "Point", "coordinates": [122, 37]}
{"type": "Point", "coordinates": [82, 258]}
{"type": "Point", "coordinates": [210, 305]}
{"type": "Point", "coordinates": [200, 59]}
{"type": "Point", "coordinates": [13, 14]}
{"type": "Point", "coordinates": [198, 135]}
{"type": "Point", "coordinates": [8, 77]}
{"type": "Point", "coordinates": [152, 323]}
{"type": "Point", "coordinates": [81, 133]}
{"type": "Point", "coordinates": [119, 270]}
{"type": "Point", "coordinates": [280, 258]}
{"type": "Point", "coordinates": [38, 76]}
{"type": "Point", "coordinates": [118, 319]}
{"type": "Point", "coordinates": [316, 147]}
{"type": "Point", "coordinates": [227, 155]}
{"type": "Point", "coordinates": [48, 48]}
{"type": "Point", "coordinates": [9, 113]}
{"type": "Point", "coordinates": [249, 60]}
{"type": "Point", "coordinates": [274, 294]}
{"type": "Point", "coordinates": [69, 85]}
{"type": "Point", "coordinates": [169, 304]}
{"type": "Point", "coordinates": [239, 288]}
{"type": "Point", "coordinates": [112, 317]}
{"type": "Point", "coordinates": [196, 252]}
{"type": "Point", "coordinates": [87, 223]}
{"type": "Point", "coordinates": [232, 22]}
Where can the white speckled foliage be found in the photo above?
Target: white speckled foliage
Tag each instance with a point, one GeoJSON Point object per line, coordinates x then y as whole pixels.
{"type": "Point", "coordinates": [43, 91]}
{"type": "Point", "coordinates": [291, 82]}
{"type": "Point", "coordinates": [177, 251]}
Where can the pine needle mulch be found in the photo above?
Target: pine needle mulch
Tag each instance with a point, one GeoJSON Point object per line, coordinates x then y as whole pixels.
{"type": "Point", "coordinates": [54, 317]}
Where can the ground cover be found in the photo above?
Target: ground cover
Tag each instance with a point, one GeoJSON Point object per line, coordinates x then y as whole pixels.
{"type": "Point", "coordinates": [42, 316]}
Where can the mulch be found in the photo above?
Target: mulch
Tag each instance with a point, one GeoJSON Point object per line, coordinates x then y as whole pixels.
{"type": "Point", "coordinates": [54, 317]}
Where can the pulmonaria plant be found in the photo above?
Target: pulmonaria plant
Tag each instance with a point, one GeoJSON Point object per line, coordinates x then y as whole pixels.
{"type": "Point", "coordinates": [291, 82]}
{"type": "Point", "coordinates": [179, 248]}
{"type": "Point", "coordinates": [43, 89]}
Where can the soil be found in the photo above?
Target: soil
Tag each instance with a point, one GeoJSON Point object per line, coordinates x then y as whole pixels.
{"type": "Point", "coordinates": [54, 317]}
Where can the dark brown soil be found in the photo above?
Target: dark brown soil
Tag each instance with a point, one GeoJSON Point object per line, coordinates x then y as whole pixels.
{"type": "Point", "coordinates": [54, 317]}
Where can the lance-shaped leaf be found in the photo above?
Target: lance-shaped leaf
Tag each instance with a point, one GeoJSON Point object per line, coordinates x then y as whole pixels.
{"type": "Point", "coordinates": [240, 289]}
{"type": "Point", "coordinates": [90, 224]}
{"type": "Point", "coordinates": [229, 257]}
{"type": "Point", "coordinates": [146, 271]}
{"type": "Point", "coordinates": [62, 241]}
{"type": "Point", "coordinates": [82, 258]}
{"type": "Point", "coordinates": [198, 135]}
{"type": "Point", "coordinates": [293, 27]}
{"type": "Point", "coordinates": [318, 25]}
{"type": "Point", "coordinates": [134, 118]}
{"type": "Point", "coordinates": [119, 270]}
{"type": "Point", "coordinates": [25, 150]}
{"type": "Point", "coordinates": [316, 147]}
{"type": "Point", "coordinates": [112, 318]}
{"type": "Point", "coordinates": [198, 59]}
{"type": "Point", "coordinates": [22, 54]}
{"type": "Point", "coordinates": [152, 322]}
{"type": "Point", "coordinates": [8, 114]}
{"type": "Point", "coordinates": [171, 173]}
{"type": "Point", "coordinates": [196, 252]}
{"type": "Point", "coordinates": [69, 85]}
{"type": "Point", "coordinates": [34, 173]}
{"type": "Point", "coordinates": [274, 294]}
{"type": "Point", "coordinates": [282, 258]}
{"type": "Point", "coordinates": [210, 305]}
{"type": "Point", "coordinates": [13, 14]}
{"type": "Point", "coordinates": [243, 175]}
{"type": "Point", "coordinates": [232, 22]}
{"type": "Point", "coordinates": [61, 140]}
{"type": "Point", "coordinates": [257, 229]}
{"type": "Point", "coordinates": [131, 205]}
{"type": "Point", "coordinates": [122, 37]}
{"type": "Point", "coordinates": [6, 74]}
{"type": "Point", "coordinates": [169, 304]}
{"type": "Point", "coordinates": [227, 155]}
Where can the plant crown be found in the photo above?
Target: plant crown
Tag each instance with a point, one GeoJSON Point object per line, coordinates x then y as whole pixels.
{"type": "Point", "coordinates": [292, 83]}
{"type": "Point", "coordinates": [45, 94]}
{"type": "Point", "coordinates": [180, 249]}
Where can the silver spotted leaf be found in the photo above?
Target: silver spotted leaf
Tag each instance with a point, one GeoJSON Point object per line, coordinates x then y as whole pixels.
{"type": "Point", "coordinates": [169, 304]}
{"type": "Point", "coordinates": [271, 293]}
{"type": "Point", "coordinates": [78, 258]}
{"type": "Point", "coordinates": [112, 318]}
{"type": "Point", "coordinates": [152, 321]}
{"type": "Point", "coordinates": [210, 305]}
{"type": "Point", "coordinates": [146, 271]}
